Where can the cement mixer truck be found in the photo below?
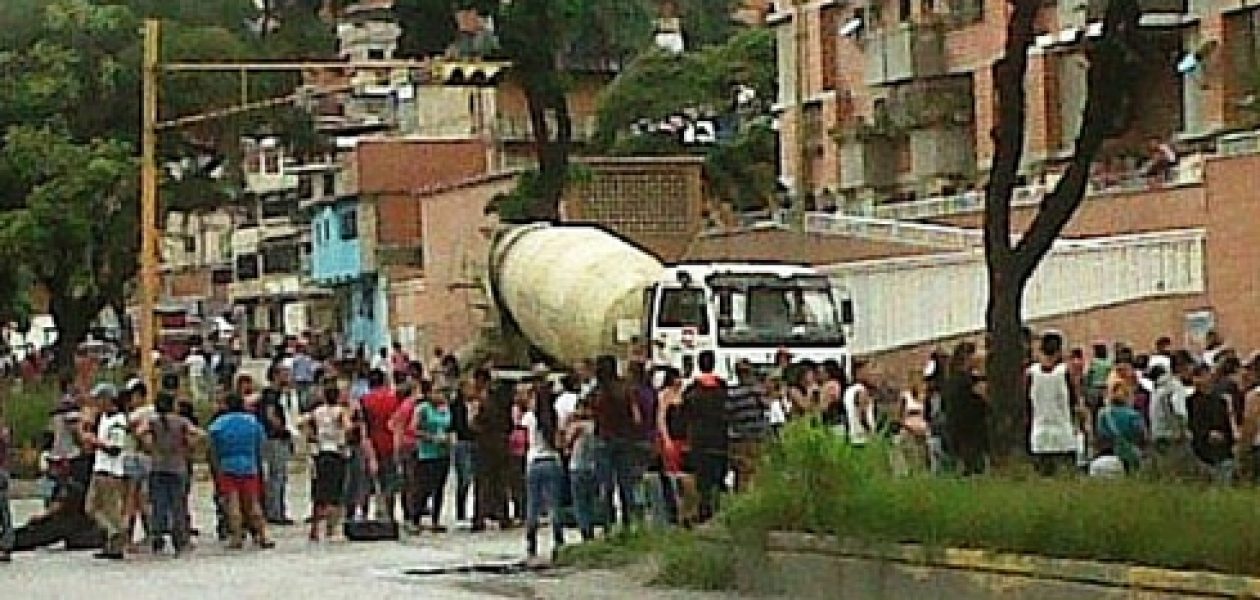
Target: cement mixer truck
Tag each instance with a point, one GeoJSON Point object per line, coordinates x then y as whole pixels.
{"type": "Point", "coordinates": [574, 292]}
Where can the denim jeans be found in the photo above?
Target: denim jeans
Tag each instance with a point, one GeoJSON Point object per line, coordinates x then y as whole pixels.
{"type": "Point", "coordinates": [7, 533]}
{"type": "Point", "coordinates": [585, 487]}
{"type": "Point", "coordinates": [462, 462]}
{"type": "Point", "coordinates": [275, 458]}
{"type": "Point", "coordinates": [545, 480]}
{"type": "Point", "coordinates": [170, 506]}
{"type": "Point", "coordinates": [616, 467]}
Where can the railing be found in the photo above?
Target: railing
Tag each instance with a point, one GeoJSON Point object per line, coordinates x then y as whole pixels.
{"type": "Point", "coordinates": [1188, 171]}
{"type": "Point", "coordinates": [908, 301]}
{"type": "Point", "coordinates": [890, 230]}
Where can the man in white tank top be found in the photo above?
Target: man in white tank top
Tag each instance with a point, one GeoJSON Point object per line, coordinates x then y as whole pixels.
{"type": "Point", "coordinates": [1053, 402]}
{"type": "Point", "coordinates": [859, 406]}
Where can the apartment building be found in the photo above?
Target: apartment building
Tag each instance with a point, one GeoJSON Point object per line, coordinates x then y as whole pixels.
{"type": "Point", "coordinates": [885, 100]}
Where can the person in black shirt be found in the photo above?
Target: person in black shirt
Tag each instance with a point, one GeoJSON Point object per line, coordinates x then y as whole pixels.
{"type": "Point", "coordinates": [705, 416]}
{"type": "Point", "coordinates": [965, 411]}
{"type": "Point", "coordinates": [1211, 427]}
{"type": "Point", "coordinates": [278, 449]}
{"type": "Point", "coordinates": [464, 408]}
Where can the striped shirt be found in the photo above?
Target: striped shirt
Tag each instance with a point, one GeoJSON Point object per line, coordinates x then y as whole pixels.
{"type": "Point", "coordinates": [746, 413]}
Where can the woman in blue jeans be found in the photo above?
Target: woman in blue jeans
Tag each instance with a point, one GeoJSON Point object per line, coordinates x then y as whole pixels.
{"type": "Point", "coordinates": [580, 443]}
{"type": "Point", "coordinates": [544, 473]}
{"type": "Point", "coordinates": [168, 437]}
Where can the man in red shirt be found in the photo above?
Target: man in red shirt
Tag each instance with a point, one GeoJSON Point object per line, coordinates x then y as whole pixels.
{"type": "Point", "coordinates": [379, 406]}
{"type": "Point", "coordinates": [403, 427]}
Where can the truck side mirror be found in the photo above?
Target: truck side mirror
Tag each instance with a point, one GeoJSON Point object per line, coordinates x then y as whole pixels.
{"type": "Point", "coordinates": [846, 311]}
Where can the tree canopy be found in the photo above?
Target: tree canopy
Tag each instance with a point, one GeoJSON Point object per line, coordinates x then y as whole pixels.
{"type": "Point", "coordinates": [70, 126]}
{"type": "Point", "coordinates": [728, 85]}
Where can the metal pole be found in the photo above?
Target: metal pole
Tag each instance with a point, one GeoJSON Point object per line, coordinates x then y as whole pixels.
{"type": "Point", "coordinates": [149, 277]}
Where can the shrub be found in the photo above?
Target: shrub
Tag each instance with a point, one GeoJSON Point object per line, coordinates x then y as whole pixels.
{"type": "Point", "coordinates": [813, 482]}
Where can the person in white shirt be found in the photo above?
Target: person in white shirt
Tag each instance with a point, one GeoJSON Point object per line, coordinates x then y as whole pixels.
{"type": "Point", "coordinates": [196, 365]}
{"type": "Point", "coordinates": [107, 492]}
{"type": "Point", "coordinates": [859, 406]}
{"type": "Point", "coordinates": [1170, 434]}
{"type": "Point", "coordinates": [1054, 405]}
{"type": "Point", "coordinates": [545, 474]}
{"type": "Point", "coordinates": [567, 401]}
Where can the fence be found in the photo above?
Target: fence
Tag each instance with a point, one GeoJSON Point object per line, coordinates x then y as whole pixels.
{"type": "Point", "coordinates": [908, 301]}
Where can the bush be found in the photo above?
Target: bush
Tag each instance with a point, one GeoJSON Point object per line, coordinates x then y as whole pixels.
{"type": "Point", "coordinates": [693, 564]}
{"type": "Point", "coordinates": [814, 482]}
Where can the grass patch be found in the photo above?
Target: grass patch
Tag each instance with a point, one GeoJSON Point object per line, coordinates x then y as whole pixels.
{"type": "Point", "coordinates": [693, 564]}
{"type": "Point", "coordinates": [682, 560]}
{"type": "Point", "coordinates": [623, 548]}
{"type": "Point", "coordinates": [813, 482]}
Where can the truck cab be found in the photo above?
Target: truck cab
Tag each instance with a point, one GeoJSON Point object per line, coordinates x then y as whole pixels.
{"type": "Point", "coordinates": [745, 311]}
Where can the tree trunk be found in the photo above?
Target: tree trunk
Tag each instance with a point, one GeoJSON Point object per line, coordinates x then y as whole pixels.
{"type": "Point", "coordinates": [73, 318]}
{"type": "Point", "coordinates": [1004, 364]}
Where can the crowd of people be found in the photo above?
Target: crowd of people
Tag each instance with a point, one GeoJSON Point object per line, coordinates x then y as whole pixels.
{"type": "Point", "coordinates": [613, 442]}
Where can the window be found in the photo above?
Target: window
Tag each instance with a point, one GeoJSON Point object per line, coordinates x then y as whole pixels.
{"type": "Point", "coordinates": [281, 258]}
{"type": "Point", "coordinates": [190, 244]}
{"type": "Point", "coordinates": [271, 163]}
{"type": "Point", "coordinates": [349, 224]}
{"type": "Point", "coordinates": [684, 307]}
{"type": "Point", "coordinates": [306, 187]}
{"type": "Point", "coordinates": [367, 303]}
{"type": "Point", "coordinates": [376, 54]}
{"type": "Point", "coordinates": [247, 267]}
{"type": "Point", "coordinates": [800, 311]}
{"type": "Point", "coordinates": [330, 184]}
{"type": "Point", "coordinates": [904, 10]}
{"type": "Point", "coordinates": [279, 207]}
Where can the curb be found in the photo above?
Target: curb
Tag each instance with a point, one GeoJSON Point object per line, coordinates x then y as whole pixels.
{"type": "Point", "coordinates": [1113, 575]}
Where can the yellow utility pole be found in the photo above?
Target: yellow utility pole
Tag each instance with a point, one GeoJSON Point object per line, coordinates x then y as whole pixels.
{"type": "Point", "coordinates": [150, 279]}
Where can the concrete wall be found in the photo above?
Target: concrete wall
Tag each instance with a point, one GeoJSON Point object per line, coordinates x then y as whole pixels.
{"type": "Point", "coordinates": [391, 170]}
{"type": "Point", "coordinates": [436, 306]}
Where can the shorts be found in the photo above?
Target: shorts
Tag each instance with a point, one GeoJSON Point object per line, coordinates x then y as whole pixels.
{"type": "Point", "coordinates": [330, 478]}
{"type": "Point", "coordinates": [248, 487]}
{"type": "Point", "coordinates": [387, 481]}
{"type": "Point", "coordinates": [136, 467]}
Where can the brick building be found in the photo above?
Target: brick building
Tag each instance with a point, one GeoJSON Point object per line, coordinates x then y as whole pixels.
{"type": "Point", "coordinates": [892, 99]}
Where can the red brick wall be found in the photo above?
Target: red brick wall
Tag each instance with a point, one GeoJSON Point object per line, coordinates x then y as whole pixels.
{"type": "Point", "coordinates": [1112, 214]}
{"type": "Point", "coordinates": [1233, 248]}
{"type": "Point", "coordinates": [391, 171]}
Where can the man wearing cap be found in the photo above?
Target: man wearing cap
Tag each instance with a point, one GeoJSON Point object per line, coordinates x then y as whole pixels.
{"type": "Point", "coordinates": [107, 492]}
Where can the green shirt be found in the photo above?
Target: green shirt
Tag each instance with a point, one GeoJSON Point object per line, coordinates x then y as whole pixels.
{"type": "Point", "coordinates": [435, 424]}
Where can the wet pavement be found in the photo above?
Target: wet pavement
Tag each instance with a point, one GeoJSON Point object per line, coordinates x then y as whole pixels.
{"type": "Point", "coordinates": [454, 565]}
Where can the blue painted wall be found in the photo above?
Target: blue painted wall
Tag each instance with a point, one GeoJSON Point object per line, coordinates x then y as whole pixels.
{"type": "Point", "coordinates": [337, 249]}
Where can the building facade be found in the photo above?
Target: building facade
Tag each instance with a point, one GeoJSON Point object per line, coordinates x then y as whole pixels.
{"type": "Point", "coordinates": [886, 100]}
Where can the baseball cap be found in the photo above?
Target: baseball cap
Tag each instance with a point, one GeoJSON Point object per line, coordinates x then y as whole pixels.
{"type": "Point", "coordinates": [105, 390]}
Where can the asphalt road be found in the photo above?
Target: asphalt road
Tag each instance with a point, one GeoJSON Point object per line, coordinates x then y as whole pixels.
{"type": "Point", "coordinates": [302, 570]}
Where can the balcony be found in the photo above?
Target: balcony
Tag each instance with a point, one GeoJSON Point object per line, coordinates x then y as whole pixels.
{"type": "Point", "coordinates": [867, 161]}
{"type": "Point", "coordinates": [905, 52]}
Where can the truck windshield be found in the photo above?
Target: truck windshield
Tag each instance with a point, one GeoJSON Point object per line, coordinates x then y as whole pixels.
{"type": "Point", "coordinates": [684, 307]}
{"type": "Point", "coordinates": [765, 311]}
